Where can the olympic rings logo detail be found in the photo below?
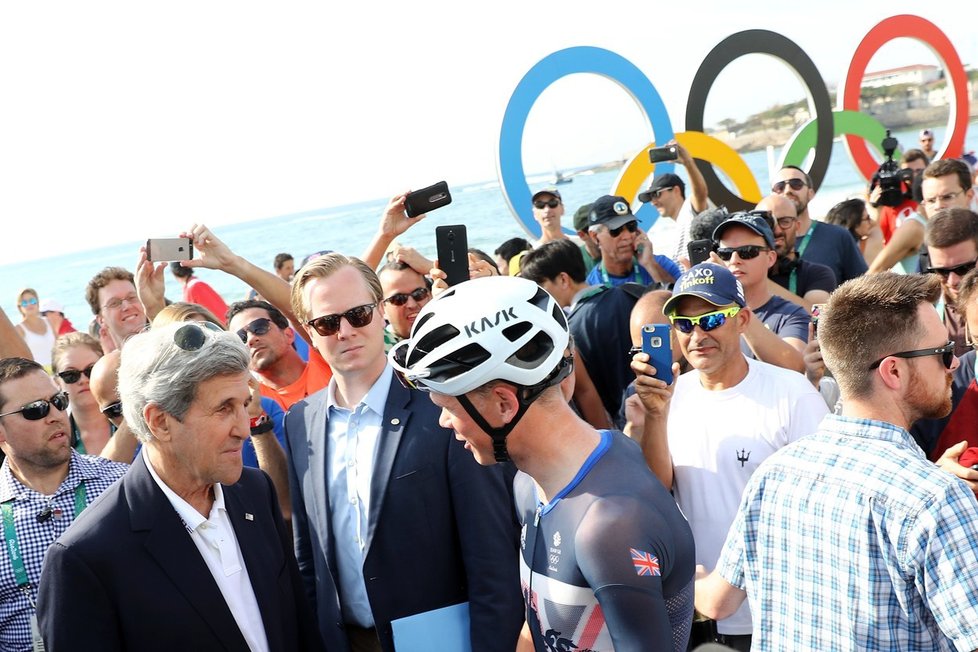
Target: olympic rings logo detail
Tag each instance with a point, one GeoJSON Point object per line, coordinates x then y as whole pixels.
{"type": "Point", "coordinates": [816, 134]}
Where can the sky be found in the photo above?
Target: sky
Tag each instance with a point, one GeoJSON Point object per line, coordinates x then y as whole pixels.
{"type": "Point", "coordinates": [126, 120]}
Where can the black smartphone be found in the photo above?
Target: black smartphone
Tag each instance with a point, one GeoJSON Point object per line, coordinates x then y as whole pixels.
{"type": "Point", "coordinates": [164, 250]}
{"type": "Point", "coordinates": [453, 252]}
{"type": "Point", "coordinates": [427, 199]}
{"type": "Point", "coordinates": [699, 251]}
{"type": "Point", "coordinates": [660, 154]}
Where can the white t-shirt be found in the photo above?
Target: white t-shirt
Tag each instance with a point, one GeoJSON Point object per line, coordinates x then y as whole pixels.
{"type": "Point", "coordinates": [718, 438]}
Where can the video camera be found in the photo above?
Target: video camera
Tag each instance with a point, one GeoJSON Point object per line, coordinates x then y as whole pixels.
{"type": "Point", "coordinates": [896, 185]}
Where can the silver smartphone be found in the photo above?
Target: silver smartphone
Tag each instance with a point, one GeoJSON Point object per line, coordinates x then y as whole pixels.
{"type": "Point", "coordinates": [164, 250]}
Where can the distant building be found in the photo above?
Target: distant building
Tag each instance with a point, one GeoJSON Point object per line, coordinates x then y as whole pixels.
{"type": "Point", "coordinates": [917, 75]}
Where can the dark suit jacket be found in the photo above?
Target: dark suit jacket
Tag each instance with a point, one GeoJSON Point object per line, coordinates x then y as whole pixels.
{"type": "Point", "coordinates": [441, 530]}
{"type": "Point", "coordinates": [127, 576]}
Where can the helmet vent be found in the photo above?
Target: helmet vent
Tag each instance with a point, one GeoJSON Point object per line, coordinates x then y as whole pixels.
{"type": "Point", "coordinates": [533, 352]}
{"type": "Point", "coordinates": [559, 316]}
{"type": "Point", "coordinates": [432, 340]}
{"type": "Point", "coordinates": [516, 331]}
{"type": "Point", "coordinates": [465, 359]}
{"type": "Point", "coordinates": [540, 299]}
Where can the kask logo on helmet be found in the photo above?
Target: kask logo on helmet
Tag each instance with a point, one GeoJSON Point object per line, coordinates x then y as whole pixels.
{"type": "Point", "coordinates": [487, 322]}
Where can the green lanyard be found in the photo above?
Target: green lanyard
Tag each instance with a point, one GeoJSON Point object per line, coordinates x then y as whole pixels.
{"type": "Point", "coordinates": [793, 277]}
{"type": "Point", "coordinates": [607, 281]}
{"type": "Point", "coordinates": [13, 545]}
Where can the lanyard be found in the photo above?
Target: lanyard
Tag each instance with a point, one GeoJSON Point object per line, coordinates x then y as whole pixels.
{"type": "Point", "coordinates": [607, 281]}
{"type": "Point", "coordinates": [805, 239]}
{"type": "Point", "coordinates": [13, 545]}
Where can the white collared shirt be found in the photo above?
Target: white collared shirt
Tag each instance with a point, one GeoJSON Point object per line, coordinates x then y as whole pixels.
{"type": "Point", "coordinates": [218, 546]}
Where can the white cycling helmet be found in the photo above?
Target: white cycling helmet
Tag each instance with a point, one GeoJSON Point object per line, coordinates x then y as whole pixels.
{"type": "Point", "coordinates": [496, 328]}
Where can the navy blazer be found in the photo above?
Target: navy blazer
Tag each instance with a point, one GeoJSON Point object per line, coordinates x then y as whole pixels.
{"type": "Point", "coordinates": [127, 576]}
{"type": "Point", "coordinates": [442, 529]}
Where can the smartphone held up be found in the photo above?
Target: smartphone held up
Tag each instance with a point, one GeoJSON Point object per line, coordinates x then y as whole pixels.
{"type": "Point", "coordinates": [165, 250]}
{"type": "Point", "coordinates": [656, 341]}
{"type": "Point", "coordinates": [427, 199]}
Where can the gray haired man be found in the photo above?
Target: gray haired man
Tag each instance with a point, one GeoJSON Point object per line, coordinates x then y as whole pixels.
{"type": "Point", "coordinates": [186, 520]}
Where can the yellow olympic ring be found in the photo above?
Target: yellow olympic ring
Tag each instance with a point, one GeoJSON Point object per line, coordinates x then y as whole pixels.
{"type": "Point", "coordinates": [638, 169]}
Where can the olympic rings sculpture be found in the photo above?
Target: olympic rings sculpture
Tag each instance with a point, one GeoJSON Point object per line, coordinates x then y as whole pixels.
{"type": "Point", "coordinates": [856, 128]}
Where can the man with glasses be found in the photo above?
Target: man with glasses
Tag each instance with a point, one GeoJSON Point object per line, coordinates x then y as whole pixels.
{"type": "Point", "coordinates": [112, 296]}
{"type": "Point", "coordinates": [828, 244]}
{"type": "Point", "coordinates": [668, 194]}
{"type": "Point", "coordinates": [44, 486]}
{"type": "Point", "coordinates": [795, 279]}
{"type": "Point", "coordinates": [284, 376]}
{"type": "Point", "coordinates": [952, 249]}
{"type": "Point", "coordinates": [626, 251]}
{"type": "Point", "coordinates": [779, 331]}
{"type": "Point", "coordinates": [406, 291]}
{"type": "Point", "coordinates": [392, 516]}
{"type": "Point", "coordinates": [725, 417]}
{"type": "Point", "coordinates": [849, 539]}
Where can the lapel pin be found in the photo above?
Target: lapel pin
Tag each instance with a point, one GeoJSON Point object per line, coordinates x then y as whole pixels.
{"type": "Point", "coordinates": [395, 421]}
{"type": "Point", "coordinates": [249, 517]}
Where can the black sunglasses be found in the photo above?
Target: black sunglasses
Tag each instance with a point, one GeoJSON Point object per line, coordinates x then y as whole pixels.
{"type": "Point", "coordinates": [631, 227]}
{"type": "Point", "coordinates": [191, 337]}
{"type": "Point", "coordinates": [795, 184]}
{"type": "Point", "coordinates": [113, 411]}
{"type": "Point", "coordinates": [946, 352]}
{"type": "Point", "coordinates": [960, 270]}
{"type": "Point", "coordinates": [746, 252]}
{"type": "Point", "coordinates": [358, 317]}
{"type": "Point", "coordinates": [552, 203]}
{"type": "Point", "coordinates": [72, 376]}
{"type": "Point", "coordinates": [401, 298]}
{"type": "Point", "coordinates": [259, 327]}
{"type": "Point", "coordinates": [37, 410]}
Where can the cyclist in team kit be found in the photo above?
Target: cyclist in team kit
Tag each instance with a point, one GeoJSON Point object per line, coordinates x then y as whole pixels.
{"type": "Point", "coordinates": [607, 558]}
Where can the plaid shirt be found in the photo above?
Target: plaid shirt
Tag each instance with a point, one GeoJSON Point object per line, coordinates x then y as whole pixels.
{"type": "Point", "coordinates": [34, 537]}
{"type": "Point", "coordinates": [849, 539]}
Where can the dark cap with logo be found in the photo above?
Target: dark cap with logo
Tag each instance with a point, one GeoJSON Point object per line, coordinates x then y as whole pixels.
{"type": "Point", "coordinates": [611, 211]}
{"type": "Point", "coordinates": [661, 182]}
{"type": "Point", "coordinates": [710, 282]}
{"type": "Point", "coordinates": [751, 221]}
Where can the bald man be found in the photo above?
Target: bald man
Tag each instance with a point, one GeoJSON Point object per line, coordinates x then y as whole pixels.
{"type": "Point", "coordinates": [802, 282]}
{"type": "Point", "coordinates": [104, 385]}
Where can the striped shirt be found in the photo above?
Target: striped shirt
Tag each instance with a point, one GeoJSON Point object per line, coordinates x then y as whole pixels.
{"type": "Point", "coordinates": [851, 540]}
{"type": "Point", "coordinates": [35, 536]}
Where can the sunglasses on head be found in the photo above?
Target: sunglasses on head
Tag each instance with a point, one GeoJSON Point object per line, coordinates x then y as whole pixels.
{"type": "Point", "coordinates": [960, 270]}
{"type": "Point", "coordinates": [401, 298]}
{"type": "Point", "coordinates": [631, 227]}
{"type": "Point", "coordinates": [946, 352]}
{"type": "Point", "coordinates": [191, 337]}
{"type": "Point", "coordinates": [258, 327]}
{"type": "Point", "coordinates": [794, 184]}
{"type": "Point", "coordinates": [36, 410]}
{"type": "Point", "coordinates": [113, 411]}
{"type": "Point", "coordinates": [28, 302]}
{"type": "Point", "coordinates": [72, 376]}
{"type": "Point", "coordinates": [552, 203]}
{"type": "Point", "coordinates": [746, 252]}
{"type": "Point", "coordinates": [707, 322]}
{"type": "Point", "coordinates": [358, 317]}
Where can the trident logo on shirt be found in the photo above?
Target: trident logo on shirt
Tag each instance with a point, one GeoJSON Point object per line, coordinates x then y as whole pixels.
{"type": "Point", "coordinates": [743, 455]}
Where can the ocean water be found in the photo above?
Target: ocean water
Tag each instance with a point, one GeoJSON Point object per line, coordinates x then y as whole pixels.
{"type": "Point", "coordinates": [348, 229]}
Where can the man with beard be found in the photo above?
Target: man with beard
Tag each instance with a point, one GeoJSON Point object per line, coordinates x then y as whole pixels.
{"type": "Point", "coordinates": [283, 375]}
{"type": "Point", "coordinates": [799, 281]}
{"type": "Point", "coordinates": [828, 244]}
{"type": "Point", "coordinates": [849, 538]}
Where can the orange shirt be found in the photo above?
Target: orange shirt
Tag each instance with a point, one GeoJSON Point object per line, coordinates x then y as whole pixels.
{"type": "Point", "coordinates": [314, 377]}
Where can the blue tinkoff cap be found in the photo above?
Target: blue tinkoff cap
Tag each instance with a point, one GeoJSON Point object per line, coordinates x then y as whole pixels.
{"type": "Point", "coordinates": [710, 282]}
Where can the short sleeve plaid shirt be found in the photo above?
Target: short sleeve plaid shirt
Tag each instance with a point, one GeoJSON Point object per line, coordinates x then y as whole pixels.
{"type": "Point", "coordinates": [35, 536]}
{"type": "Point", "coordinates": [849, 539]}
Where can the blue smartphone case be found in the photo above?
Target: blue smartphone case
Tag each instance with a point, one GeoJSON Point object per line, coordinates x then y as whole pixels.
{"type": "Point", "coordinates": [657, 343]}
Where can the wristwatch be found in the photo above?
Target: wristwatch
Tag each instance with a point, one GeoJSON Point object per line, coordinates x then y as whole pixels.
{"type": "Point", "coordinates": [261, 424]}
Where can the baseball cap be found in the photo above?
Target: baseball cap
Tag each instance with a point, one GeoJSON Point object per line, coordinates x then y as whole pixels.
{"type": "Point", "coordinates": [752, 221]}
{"type": "Point", "coordinates": [548, 191]}
{"type": "Point", "coordinates": [926, 133]}
{"type": "Point", "coordinates": [610, 210]}
{"type": "Point", "coordinates": [50, 305]}
{"type": "Point", "coordinates": [661, 182]}
{"type": "Point", "coordinates": [710, 282]}
{"type": "Point", "coordinates": [580, 217]}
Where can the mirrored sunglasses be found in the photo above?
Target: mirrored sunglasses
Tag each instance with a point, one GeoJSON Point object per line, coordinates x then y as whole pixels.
{"type": "Point", "coordinates": [72, 376]}
{"type": "Point", "coordinates": [707, 322]}
{"type": "Point", "coordinates": [401, 298]}
{"type": "Point", "coordinates": [358, 317]}
{"type": "Point", "coordinates": [257, 327]}
{"type": "Point", "coordinates": [37, 410]}
{"type": "Point", "coordinates": [28, 302]}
